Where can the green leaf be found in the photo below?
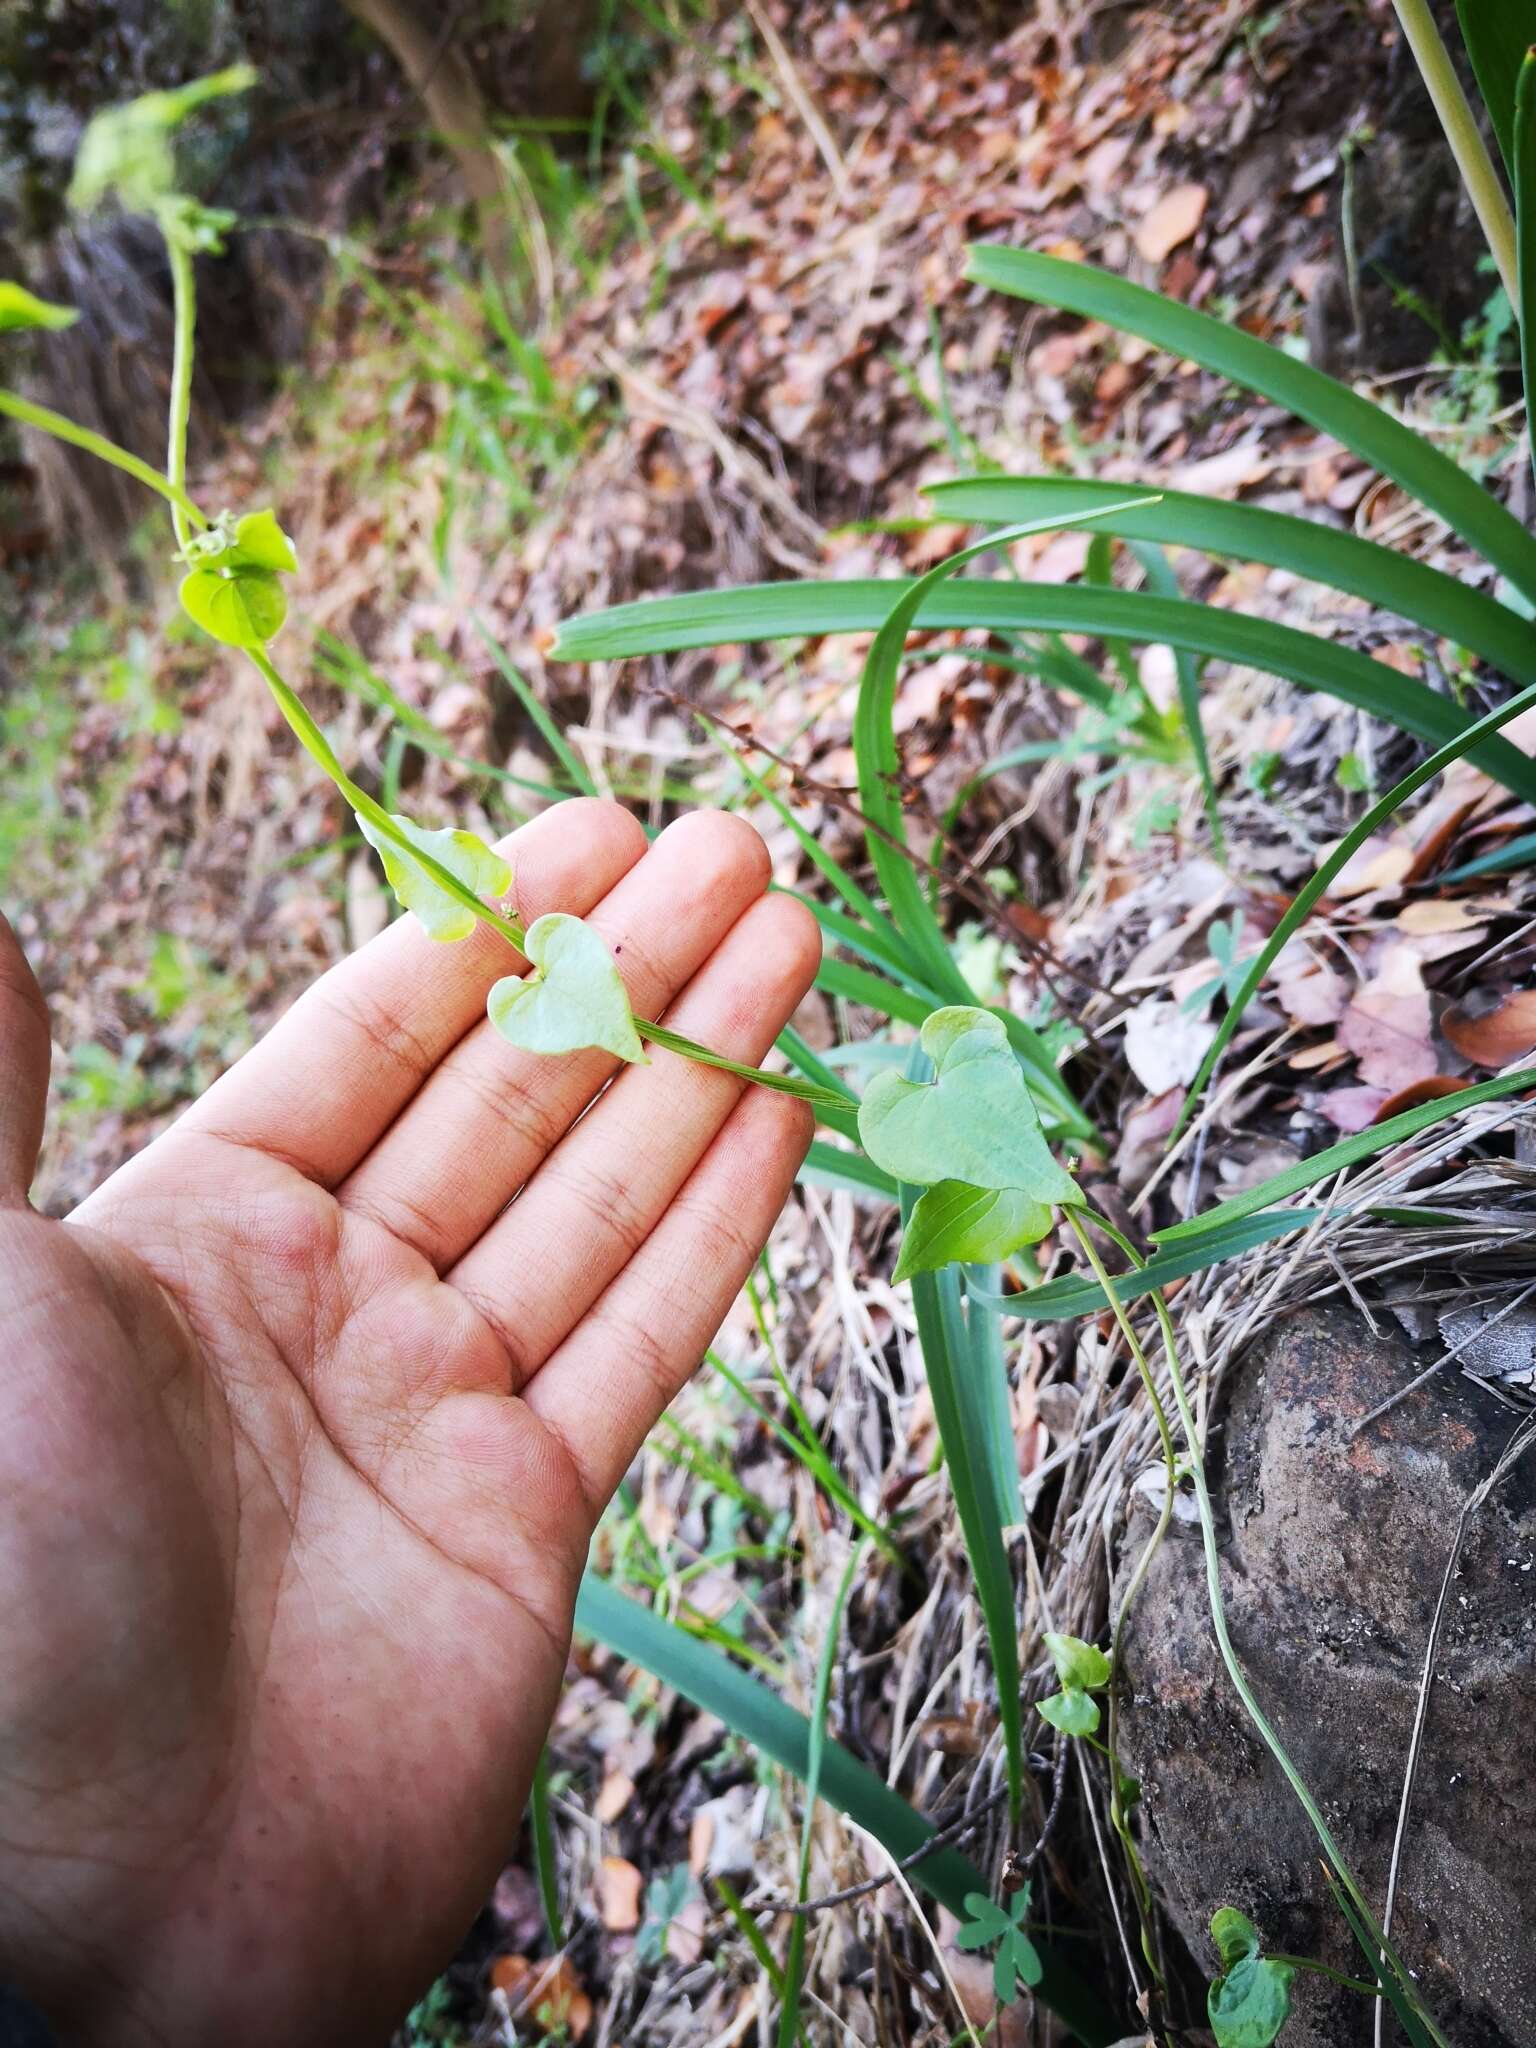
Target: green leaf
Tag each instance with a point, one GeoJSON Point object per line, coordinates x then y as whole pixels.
{"type": "Point", "coordinates": [461, 853]}
{"type": "Point", "coordinates": [1081, 1295]}
{"type": "Point", "coordinates": [1333, 1159]}
{"type": "Point", "coordinates": [259, 543]}
{"type": "Point", "coordinates": [20, 308]}
{"type": "Point", "coordinates": [1340, 560]}
{"type": "Point", "coordinates": [1498, 33]}
{"type": "Point", "coordinates": [986, 1922]}
{"type": "Point", "coordinates": [125, 152]}
{"type": "Point", "coordinates": [1523, 173]}
{"type": "Point", "coordinates": [1234, 1934]}
{"type": "Point", "coordinates": [1078, 1663]}
{"type": "Point", "coordinates": [573, 999]}
{"type": "Point", "coordinates": [953, 1223]}
{"type": "Point", "coordinates": [769, 611]}
{"type": "Point", "coordinates": [1409, 459]}
{"type": "Point", "coordinates": [975, 1122]}
{"type": "Point", "coordinates": [1250, 2004]}
{"type": "Point", "coordinates": [1070, 1710]}
{"type": "Point", "coordinates": [765, 1723]}
{"type": "Point", "coordinates": [242, 609]}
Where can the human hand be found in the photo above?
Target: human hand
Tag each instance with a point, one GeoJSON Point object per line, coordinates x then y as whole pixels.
{"type": "Point", "coordinates": [304, 1431]}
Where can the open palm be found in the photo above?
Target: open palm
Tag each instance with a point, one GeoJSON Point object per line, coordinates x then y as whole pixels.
{"type": "Point", "coordinates": [305, 1423]}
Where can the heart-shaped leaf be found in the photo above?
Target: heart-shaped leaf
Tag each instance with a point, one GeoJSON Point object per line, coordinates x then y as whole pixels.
{"type": "Point", "coordinates": [1251, 2003]}
{"type": "Point", "coordinates": [20, 308]}
{"type": "Point", "coordinates": [975, 1122]}
{"type": "Point", "coordinates": [1080, 1664]}
{"type": "Point", "coordinates": [1071, 1710]}
{"type": "Point", "coordinates": [243, 608]}
{"type": "Point", "coordinates": [572, 1000]}
{"type": "Point", "coordinates": [461, 853]}
{"type": "Point", "coordinates": [953, 1221]}
{"type": "Point", "coordinates": [125, 152]}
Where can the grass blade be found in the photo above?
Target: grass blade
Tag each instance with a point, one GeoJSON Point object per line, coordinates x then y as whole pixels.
{"type": "Point", "coordinates": [551, 734]}
{"type": "Point", "coordinates": [1524, 174]}
{"type": "Point", "coordinates": [1078, 1295]}
{"type": "Point", "coordinates": [1162, 582]}
{"type": "Point", "coordinates": [794, 1967]}
{"type": "Point", "coordinates": [878, 759]}
{"type": "Point", "coordinates": [827, 1167]}
{"type": "Point", "coordinates": [1370, 432]}
{"type": "Point", "coordinates": [1301, 904]}
{"type": "Point", "coordinates": [768, 611]}
{"type": "Point", "coordinates": [762, 1720]}
{"type": "Point", "coordinates": [1336, 558]}
{"type": "Point", "coordinates": [1348, 1152]}
{"type": "Point", "coordinates": [545, 1866]}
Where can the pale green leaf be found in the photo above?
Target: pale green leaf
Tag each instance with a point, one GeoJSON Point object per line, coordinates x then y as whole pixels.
{"type": "Point", "coordinates": [243, 609]}
{"type": "Point", "coordinates": [954, 1223]}
{"type": "Point", "coordinates": [572, 1000]}
{"type": "Point", "coordinates": [463, 854]}
{"type": "Point", "coordinates": [1078, 1663]}
{"type": "Point", "coordinates": [1234, 1934]}
{"type": "Point", "coordinates": [1071, 1710]}
{"type": "Point", "coordinates": [975, 1122]}
{"type": "Point", "coordinates": [20, 308]}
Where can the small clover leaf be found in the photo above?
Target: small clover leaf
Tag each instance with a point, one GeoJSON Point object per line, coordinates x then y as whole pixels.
{"type": "Point", "coordinates": [975, 1122]}
{"type": "Point", "coordinates": [1071, 1710]}
{"type": "Point", "coordinates": [1078, 1663]}
{"type": "Point", "coordinates": [953, 1221]}
{"type": "Point", "coordinates": [20, 308]}
{"type": "Point", "coordinates": [665, 1898]}
{"type": "Point", "coordinates": [1251, 2001]}
{"type": "Point", "coordinates": [1017, 1961]}
{"type": "Point", "coordinates": [572, 1000]}
{"type": "Point", "coordinates": [461, 853]}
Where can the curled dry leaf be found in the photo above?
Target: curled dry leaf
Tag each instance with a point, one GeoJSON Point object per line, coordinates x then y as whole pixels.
{"type": "Point", "coordinates": [1499, 1035]}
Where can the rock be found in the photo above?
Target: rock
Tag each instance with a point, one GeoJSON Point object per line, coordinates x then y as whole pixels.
{"type": "Point", "coordinates": [1333, 1552]}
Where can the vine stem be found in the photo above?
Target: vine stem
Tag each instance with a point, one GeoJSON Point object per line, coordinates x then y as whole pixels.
{"type": "Point", "coordinates": [184, 305]}
{"type": "Point", "coordinates": [1465, 138]}
{"type": "Point", "coordinates": [62, 428]}
{"type": "Point", "coordinates": [1195, 1463]}
{"type": "Point", "coordinates": [1119, 1819]}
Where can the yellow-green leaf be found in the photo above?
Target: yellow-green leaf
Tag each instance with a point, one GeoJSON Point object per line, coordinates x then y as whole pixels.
{"type": "Point", "coordinates": [242, 609]}
{"type": "Point", "coordinates": [477, 866]}
{"type": "Point", "coordinates": [20, 308]}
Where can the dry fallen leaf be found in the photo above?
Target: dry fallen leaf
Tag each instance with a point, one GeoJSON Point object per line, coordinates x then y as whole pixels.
{"type": "Point", "coordinates": [615, 1794]}
{"type": "Point", "coordinates": [618, 1894]}
{"type": "Point", "coordinates": [1173, 220]}
{"type": "Point", "coordinates": [1431, 1089]}
{"type": "Point", "coordinates": [1315, 999]}
{"type": "Point", "coordinates": [549, 1994]}
{"type": "Point", "coordinates": [1429, 919]}
{"type": "Point", "coordinates": [1352, 1109]}
{"type": "Point", "coordinates": [1164, 1045]}
{"type": "Point", "coordinates": [1498, 1036]}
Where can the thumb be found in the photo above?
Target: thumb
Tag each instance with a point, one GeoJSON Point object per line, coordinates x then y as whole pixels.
{"type": "Point", "coordinates": [24, 1055]}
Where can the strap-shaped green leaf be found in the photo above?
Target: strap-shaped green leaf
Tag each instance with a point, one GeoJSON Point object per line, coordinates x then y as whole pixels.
{"type": "Point", "coordinates": [1524, 156]}
{"type": "Point", "coordinates": [1306, 547]}
{"type": "Point", "coordinates": [776, 611]}
{"type": "Point", "coordinates": [1498, 33]}
{"type": "Point", "coordinates": [1372, 433]}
